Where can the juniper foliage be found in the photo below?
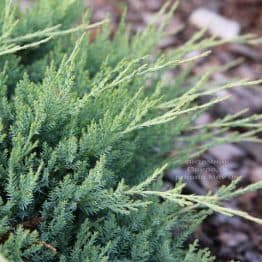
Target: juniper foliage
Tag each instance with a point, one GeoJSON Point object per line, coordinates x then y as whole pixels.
{"type": "Point", "coordinates": [84, 127]}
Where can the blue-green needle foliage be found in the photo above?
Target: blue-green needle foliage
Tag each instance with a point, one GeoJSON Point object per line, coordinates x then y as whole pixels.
{"type": "Point", "coordinates": [85, 131]}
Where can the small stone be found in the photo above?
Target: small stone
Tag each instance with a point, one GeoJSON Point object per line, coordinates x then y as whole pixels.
{"type": "Point", "coordinates": [203, 119]}
{"type": "Point", "coordinates": [154, 5]}
{"type": "Point", "coordinates": [136, 4]}
{"type": "Point", "coordinates": [216, 24]}
{"type": "Point", "coordinates": [233, 239]}
{"type": "Point", "coordinates": [256, 174]}
{"type": "Point", "coordinates": [226, 152]}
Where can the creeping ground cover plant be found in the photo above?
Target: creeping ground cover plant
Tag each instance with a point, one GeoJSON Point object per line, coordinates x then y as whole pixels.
{"type": "Point", "coordinates": [85, 130]}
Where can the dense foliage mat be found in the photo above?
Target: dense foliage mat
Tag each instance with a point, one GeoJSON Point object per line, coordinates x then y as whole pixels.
{"type": "Point", "coordinates": [85, 129]}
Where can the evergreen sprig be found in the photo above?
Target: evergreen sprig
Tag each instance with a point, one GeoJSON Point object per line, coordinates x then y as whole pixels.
{"type": "Point", "coordinates": [83, 124]}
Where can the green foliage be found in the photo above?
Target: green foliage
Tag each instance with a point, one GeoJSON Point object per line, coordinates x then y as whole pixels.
{"type": "Point", "coordinates": [84, 124]}
{"type": "Point", "coordinates": [197, 255]}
